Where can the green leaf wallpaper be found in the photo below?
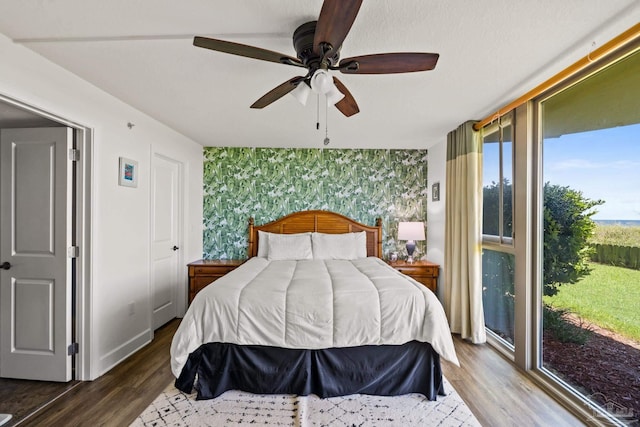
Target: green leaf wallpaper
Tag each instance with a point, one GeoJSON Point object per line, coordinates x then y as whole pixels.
{"type": "Point", "coordinates": [267, 183]}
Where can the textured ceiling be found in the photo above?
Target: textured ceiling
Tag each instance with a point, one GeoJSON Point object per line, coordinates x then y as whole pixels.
{"type": "Point", "coordinates": [491, 51]}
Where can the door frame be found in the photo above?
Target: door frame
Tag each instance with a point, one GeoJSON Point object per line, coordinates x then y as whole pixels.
{"type": "Point", "coordinates": [82, 215]}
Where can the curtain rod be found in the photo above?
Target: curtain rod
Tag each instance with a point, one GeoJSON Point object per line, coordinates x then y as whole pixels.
{"type": "Point", "coordinates": [616, 43]}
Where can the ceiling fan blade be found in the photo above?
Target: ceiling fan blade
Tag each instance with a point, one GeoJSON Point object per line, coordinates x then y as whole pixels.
{"type": "Point", "coordinates": [277, 92]}
{"type": "Point", "coordinates": [245, 50]}
{"type": "Point", "coordinates": [346, 105]}
{"type": "Point", "coordinates": [388, 63]}
{"type": "Point", "coordinates": [335, 21]}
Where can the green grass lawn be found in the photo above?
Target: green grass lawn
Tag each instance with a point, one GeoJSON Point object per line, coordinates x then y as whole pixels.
{"type": "Point", "coordinates": [608, 297]}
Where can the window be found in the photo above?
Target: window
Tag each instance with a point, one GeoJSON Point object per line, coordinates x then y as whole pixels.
{"type": "Point", "coordinates": [560, 169]}
{"type": "Point", "coordinates": [497, 181]}
{"type": "Point", "coordinates": [498, 258]}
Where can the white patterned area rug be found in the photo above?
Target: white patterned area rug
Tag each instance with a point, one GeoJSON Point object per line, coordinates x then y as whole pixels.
{"type": "Point", "coordinates": [237, 408]}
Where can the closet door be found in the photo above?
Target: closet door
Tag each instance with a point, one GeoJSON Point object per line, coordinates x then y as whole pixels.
{"type": "Point", "coordinates": [35, 249]}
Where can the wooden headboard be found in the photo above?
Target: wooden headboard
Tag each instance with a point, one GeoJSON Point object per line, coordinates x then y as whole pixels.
{"type": "Point", "coordinates": [321, 222]}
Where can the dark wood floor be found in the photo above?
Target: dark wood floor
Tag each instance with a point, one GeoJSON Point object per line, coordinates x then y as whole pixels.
{"type": "Point", "coordinates": [117, 397]}
{"type": "Point", "coordinates": [497, 393]}
{"type": "Point", "coordinates": [22, 397]}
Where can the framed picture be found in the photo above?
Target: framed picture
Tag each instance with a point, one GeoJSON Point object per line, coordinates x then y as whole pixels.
{"type": "Point", "coordinates": [128, 172]}
{"type": "Point", "coordinates": [435, 192]}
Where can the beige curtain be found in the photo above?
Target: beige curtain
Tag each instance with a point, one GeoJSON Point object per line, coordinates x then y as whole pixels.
{"type": "Point", "coordinates": [463, 234]}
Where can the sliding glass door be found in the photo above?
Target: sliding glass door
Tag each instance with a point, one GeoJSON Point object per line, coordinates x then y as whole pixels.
{"type": "Point", "coordinates": [589, 231]}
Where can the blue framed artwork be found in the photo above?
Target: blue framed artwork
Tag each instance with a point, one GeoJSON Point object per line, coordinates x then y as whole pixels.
{"type": "Point", "coordinates": [128, 172]}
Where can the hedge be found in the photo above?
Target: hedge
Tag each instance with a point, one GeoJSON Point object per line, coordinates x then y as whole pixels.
{"type": "Point", "coordinates": [620, 256]}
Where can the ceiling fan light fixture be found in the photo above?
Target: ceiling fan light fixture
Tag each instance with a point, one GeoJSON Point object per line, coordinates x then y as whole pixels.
{"type": "Point", "coordinates": [318, 44]}
{"type": "Point", "coordinates": [321, 82]}
{"type": "Point", "coordinates": [301, 93]}
{"type": "Point", "coordinates": [334, 95]}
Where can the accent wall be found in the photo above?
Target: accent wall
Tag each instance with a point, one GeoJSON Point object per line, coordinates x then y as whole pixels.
{"type": "Point", "coordinates": [267, 183]}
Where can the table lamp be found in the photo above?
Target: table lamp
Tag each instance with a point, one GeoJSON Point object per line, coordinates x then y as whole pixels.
{"type": "Point", "coordinates": [411, 231]}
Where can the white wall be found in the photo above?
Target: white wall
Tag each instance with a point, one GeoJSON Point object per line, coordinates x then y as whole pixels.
{"type": "Point", "coordinates": [436, 172]}
{"type": "Point", "coordinates": [120, 249]}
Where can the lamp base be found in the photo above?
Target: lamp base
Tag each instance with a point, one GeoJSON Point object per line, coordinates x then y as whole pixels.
{"type": "Point", "coordinates": [411, 246]}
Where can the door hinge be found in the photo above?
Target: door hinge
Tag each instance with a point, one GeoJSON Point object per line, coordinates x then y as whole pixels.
{"type": "Point", "coordinates": [74, 154]}
{"type": "Point", "coordinates": [73, 252]}
{"type": "Point", "coordinates": [73, 348]}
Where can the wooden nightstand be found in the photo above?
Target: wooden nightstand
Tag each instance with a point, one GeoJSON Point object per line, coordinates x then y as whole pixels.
{"type": "Point", "coordinates": [424, 272]}
{"type": "Point", "coordinates": [203, 272]}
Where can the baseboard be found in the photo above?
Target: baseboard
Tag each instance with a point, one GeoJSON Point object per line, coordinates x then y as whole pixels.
{"type": "Point", "coordinates": [119, 354]}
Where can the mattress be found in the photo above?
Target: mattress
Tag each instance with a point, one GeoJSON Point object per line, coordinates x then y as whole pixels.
{"type": "Point", "coordinates": [313, 304]}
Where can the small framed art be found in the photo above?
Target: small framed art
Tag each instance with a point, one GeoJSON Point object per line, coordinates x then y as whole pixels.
{"type": "Point", "coordinates": [128, 172]}
{"type": "Point", "coordinates": [435, 192]}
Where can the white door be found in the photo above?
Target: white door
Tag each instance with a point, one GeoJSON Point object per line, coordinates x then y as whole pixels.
{"type": "Point", "coordinates": [35, 230]}
{"type": "Point", "coordinates": [165, 238]}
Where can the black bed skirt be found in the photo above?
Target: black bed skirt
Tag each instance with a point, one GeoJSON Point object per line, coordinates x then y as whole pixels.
{"type": "Point", "coordinates": [387, 370]}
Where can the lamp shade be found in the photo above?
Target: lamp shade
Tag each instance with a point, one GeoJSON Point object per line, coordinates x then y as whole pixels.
{"type": "Point", "coordinates": [411, 231]}
{"type": "Point", "coordinates": [321, 82]}
{"type": "Point", "coordinates": [301, 93]}
{"type": "Point", "coordinates": [334, 95]}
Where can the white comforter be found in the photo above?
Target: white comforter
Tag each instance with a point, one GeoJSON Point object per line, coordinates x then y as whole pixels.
{"type": "Point", "coordinates": [313, 304]}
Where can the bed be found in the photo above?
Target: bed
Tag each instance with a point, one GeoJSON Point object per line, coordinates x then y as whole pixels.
{"type": "Point", "coordinates": [314, 310]}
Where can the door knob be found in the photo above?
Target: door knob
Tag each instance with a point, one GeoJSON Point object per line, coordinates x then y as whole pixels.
{"type": "Point", "coordinates": [175, 248]}
{"type": "Point", "coordinates": [5, 265]}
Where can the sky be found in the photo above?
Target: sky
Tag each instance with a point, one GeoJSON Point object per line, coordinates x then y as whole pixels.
{"type": "Point", "coordinates": [602, 164]}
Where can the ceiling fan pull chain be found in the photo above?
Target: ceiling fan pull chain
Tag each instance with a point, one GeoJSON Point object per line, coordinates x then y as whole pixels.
{"type": "Point", "coordinates": [326, 124]}
{"type": "Point", "coordinates": [326, 119]}
{"type": "Point", "coordinates": [318, 112]}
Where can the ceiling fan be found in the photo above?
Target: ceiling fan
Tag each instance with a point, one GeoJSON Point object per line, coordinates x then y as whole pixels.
{"type": "Point", "coordinates": [317, 46]}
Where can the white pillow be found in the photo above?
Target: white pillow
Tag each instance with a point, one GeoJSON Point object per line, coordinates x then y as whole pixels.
{"type": "Point", "coordinates": [289, 246]}
{"type": "Point", "coordinates": [339, 246]}
{"type": "Point", "coordinates": [263, 244]}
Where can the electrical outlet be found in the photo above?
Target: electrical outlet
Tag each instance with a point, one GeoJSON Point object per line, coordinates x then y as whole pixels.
{"type": "Point", "coordinates": [132, 308]}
